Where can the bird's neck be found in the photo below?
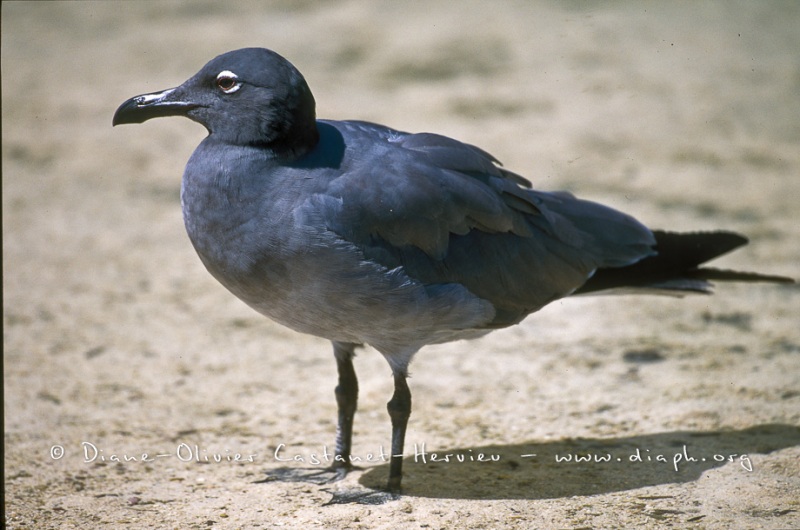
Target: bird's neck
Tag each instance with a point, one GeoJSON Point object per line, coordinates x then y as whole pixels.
{"type": "Point", "coordinates": [299, 139]}
{"type": "Point", "coordinates": [290, 131]}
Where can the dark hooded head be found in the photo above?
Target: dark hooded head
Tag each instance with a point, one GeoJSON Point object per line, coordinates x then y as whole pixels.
{"type": "Point", "coordinates": [251, 96]}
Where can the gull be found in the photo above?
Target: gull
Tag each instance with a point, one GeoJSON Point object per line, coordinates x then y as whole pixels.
{"type": "Point", "coordinates": [366, 235]}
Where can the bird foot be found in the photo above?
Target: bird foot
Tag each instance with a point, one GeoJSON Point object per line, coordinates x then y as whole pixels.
{"type": "Point", "coordinates": [370, 497]}
{"type": "Point", "coordinates": [313, 476]}
{"type": "Point", "coordinates": [364, 497]}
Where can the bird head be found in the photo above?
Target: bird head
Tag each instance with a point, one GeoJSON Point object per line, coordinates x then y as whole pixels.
{"type": "Point", "coordinates": [251, 97]}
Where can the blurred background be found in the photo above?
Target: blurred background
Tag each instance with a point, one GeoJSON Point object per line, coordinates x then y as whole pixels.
{"type": "Point", "coordinates": [684, 114]}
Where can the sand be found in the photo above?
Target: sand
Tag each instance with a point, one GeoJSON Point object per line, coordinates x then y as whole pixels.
{"type": "Point", "coordinates": [117, 342]}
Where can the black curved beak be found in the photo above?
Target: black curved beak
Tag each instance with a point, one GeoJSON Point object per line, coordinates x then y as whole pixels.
{"type": "Point", "coordinates": [141, 108]}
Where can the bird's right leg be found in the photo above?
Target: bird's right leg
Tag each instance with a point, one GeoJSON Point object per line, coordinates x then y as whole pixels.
{"type": "Point", "coordinates": [399, 408]}
{"type": "Point", "coordinates": [346, 400]}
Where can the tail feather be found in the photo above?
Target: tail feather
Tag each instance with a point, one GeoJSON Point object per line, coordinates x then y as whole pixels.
{"type": "Point", "coordinates": [676, 268]}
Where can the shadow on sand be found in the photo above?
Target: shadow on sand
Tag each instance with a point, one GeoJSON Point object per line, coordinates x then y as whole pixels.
{"type": "Point", "coordinates": [579, 467]}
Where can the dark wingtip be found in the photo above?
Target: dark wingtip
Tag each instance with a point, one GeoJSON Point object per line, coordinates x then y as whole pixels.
{"type": "Point", "coordinates": [679, 258]}
{"type": "Point", "coordinates": [710, 273]}
{"type": "Point", "coordinates": [693, 248]}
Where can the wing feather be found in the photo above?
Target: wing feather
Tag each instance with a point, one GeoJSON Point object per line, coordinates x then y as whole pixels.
{"type": "Point", "coordinates": [447, 213]}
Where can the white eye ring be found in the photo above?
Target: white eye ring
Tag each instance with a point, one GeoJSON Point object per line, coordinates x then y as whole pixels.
{"type": "Point", "coordinates": [228, 82]}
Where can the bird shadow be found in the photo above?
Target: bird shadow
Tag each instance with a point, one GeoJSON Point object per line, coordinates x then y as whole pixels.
{"type": "Point", "coordinates": [580, 466]}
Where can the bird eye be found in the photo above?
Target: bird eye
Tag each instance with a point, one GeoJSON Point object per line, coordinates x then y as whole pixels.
{"type": "Point", "coordinates": [228, 82]}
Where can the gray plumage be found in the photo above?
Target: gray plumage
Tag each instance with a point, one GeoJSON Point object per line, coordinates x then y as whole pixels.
{"type": "Point", "coordinates": [362, 234]}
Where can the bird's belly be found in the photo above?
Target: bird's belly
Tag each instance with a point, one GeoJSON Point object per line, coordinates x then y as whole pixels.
{"type": "Point", "coordinates": [328, 289]}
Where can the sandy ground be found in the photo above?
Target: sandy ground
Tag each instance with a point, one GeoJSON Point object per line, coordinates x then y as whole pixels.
{"type": "Point", "coordinates": [118, 343]}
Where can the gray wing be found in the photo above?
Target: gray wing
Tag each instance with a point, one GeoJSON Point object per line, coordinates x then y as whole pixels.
{"type": "Point", "coordinates": [446, 212]}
